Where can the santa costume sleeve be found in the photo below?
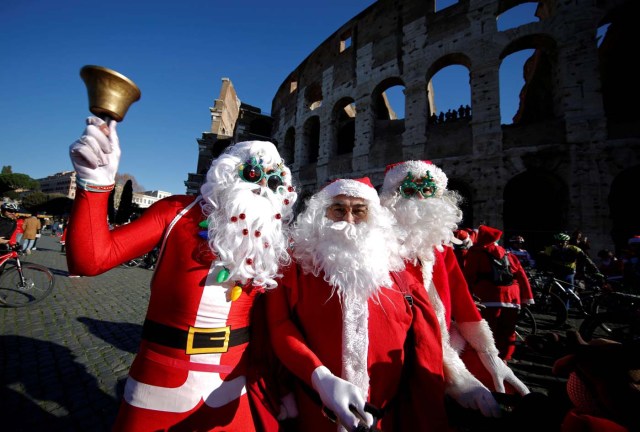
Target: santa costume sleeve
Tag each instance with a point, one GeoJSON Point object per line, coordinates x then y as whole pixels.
{"type": "Point", "coordinates": [93, 249]}
{"type": "Point", "coordinates": [288, 342]}
{"type": "Point", "coordinates": [526, 294]}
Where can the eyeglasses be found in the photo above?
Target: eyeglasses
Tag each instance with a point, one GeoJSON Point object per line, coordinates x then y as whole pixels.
{"type": "Point", "coordinates": [339, 211]}
{"type": "Point", "coordinates": [424, 186]}
{"type": "Point", "coordinates": [252, 171]}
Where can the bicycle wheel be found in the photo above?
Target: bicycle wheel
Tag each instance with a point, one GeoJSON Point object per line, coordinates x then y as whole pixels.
{"type": "Point", "coordinates": [37, 285]}
{"type": "Point", "coordinates": [555, 306]}
{"type": "Point", "coordinates": [526, 324]}
{"type": "Point", "coordinates": [615, 317]}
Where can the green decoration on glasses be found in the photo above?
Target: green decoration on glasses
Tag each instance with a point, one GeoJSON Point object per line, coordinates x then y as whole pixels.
{"type": "Point", "coordinates": [424, 186]}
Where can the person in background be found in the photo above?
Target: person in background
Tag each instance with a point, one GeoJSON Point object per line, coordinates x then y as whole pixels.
{"type": "Point", "coordinates": [31, 228]}
{"type": "Point", "coordinates": [465, 238]}
{"type": "Point", "coordinates": [516, 247]}
{"type": "Point", "coordinates": [348, 322]}
{"type": "Point", "coordinates": [610, 266]}
{"type": "Point", "coordinates": [564, 260]}
{"type": "Point", "coordinates": [194, 369]}
{"type": "Point", "coordinates": [8, 224]}
{"type": "Point", "coordinates": [427, 214]}
{"type": "Point", "coordinates": [501, 303]}
{"type": "Point", "coordinates": [19, 230]}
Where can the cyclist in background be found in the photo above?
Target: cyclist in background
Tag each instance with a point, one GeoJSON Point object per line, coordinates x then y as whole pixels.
{"type": "Point", "coordinates": [8, 215]}
{"type": "Point", "coordinates": [516, 247]}
{"type": "Point", "coordinates": [564, 258]}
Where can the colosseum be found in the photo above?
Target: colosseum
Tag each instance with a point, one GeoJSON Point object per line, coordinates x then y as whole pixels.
{"type": "Point", "coordinates": [569, 160]}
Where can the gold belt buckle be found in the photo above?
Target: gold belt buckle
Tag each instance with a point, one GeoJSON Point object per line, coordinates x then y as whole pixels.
{"type": "Point", "coordinates": [208, 350]}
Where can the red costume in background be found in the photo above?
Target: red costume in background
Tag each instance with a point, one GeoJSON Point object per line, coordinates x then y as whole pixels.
{"type": "Point", "coordinates": [185, 375]}
{"type": "Point", "coordinates": [502, 303]}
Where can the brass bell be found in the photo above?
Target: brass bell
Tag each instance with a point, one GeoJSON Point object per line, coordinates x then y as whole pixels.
{"type": "Point", "coordinates": [110, 93]}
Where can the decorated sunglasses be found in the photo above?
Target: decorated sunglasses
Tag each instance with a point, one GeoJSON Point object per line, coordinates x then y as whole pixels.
{"type": "Point", "coordinates": [424, 186]}
{"type": "Point", "coordinates": [252, 171]}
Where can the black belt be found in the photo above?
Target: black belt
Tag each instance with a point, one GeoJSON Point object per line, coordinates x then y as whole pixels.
{"type": "Point", "coordinates": [196, 340]}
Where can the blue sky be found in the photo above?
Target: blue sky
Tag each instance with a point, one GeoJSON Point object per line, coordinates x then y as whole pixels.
{"type": "Point", "coordinates": [176, 52]}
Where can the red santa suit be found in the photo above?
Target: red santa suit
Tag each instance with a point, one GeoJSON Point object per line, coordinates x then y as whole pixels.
{"type": "Point", "coordinates": [191, 369]}
{"type": "Point", "coordinates": [306, 325]}
{"type": "Point", "coordinates": [501, 302]}
{"type": "Point", "coordinates": [457, 312]}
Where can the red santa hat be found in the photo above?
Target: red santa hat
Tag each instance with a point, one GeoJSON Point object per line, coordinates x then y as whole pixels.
{"type": "Point", "coordinates": [359, 188]}
{"type": "Point", "coordinates": [396, 173]}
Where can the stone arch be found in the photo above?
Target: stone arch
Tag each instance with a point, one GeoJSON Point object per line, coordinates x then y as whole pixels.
{"type": "Point", "coordinates": [381, 106]}
{"type": "Point", "coordinates": [313, 96]}
{"type": "Point", "coordinates": [452, 59]}
{"type": "Point", "coordinates": [544, 8]}
{"type": "Point", "coordinates": [344, 126]}
{"type": "Point", "coordinates": [539, 98]}
{"type": "Point", "coordinates": [288, 148]}
{"type": "Point", "coordinates": [387, 130]}
{"type": "Point", "coordinates": [311, 139]}
{"type": "Point", "coordinates": [536, 205]}
{"type": "Point", "coordinates": [623, 197]}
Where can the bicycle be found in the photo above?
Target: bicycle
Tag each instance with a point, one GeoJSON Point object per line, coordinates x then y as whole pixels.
{"type": "Point", "coordinates": [147, 260]}
{"type": "Point", "coordinates": [551, 296]}
{"type": "Point", "coordinates": [23, 284]}
{"type": "Point", "coordinates": [526, 324]}
{"type": "Point", "coordinates": [615, 315]}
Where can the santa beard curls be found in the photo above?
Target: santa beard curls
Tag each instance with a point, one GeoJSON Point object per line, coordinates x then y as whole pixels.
{"type": "Point", "coordinates": [247, 223]}
{"type": "Point", "coordinates": [356, 258]}
{"type": "Point", "coordinates": [425, 223]}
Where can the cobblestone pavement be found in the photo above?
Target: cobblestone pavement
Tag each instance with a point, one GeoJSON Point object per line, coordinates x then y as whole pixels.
{"type": "Point", "coordinates": [64, 360]}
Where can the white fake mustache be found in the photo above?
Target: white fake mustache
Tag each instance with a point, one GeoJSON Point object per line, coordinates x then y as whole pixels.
{"type": "Point", "coordinates": [348, 229]}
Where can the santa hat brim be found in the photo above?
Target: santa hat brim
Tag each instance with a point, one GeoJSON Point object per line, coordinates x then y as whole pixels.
{"type": "Point", "coordinates": [359, 188]}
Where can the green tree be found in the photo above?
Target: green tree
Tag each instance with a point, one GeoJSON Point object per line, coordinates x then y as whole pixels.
{"type": "Point", "coordinates": [6, 169]}
{"type": "Point", "coordinates": [56, 204]}
{"type": "Point", "coordinates": [123, 178]}
{"type": "Point", "coordinates": [11, 181]}
{"type": "Point", "coordinates": [33, 200]}
{"type": "Point", "coordinates": [125, 207]}
{"type": "Point", "coordinates": [111, 208]}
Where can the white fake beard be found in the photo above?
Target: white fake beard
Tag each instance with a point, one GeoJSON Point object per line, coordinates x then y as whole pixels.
{"type": "Point", "coordinates": [426, 223]}
{"type": "Point", "coordinates": [260, 252]}
{"type": "Point", "coordinates": [355, 258]}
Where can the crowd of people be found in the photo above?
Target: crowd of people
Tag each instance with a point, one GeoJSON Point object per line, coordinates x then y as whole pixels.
{"type": "Point", "coordinates": [354, 313]}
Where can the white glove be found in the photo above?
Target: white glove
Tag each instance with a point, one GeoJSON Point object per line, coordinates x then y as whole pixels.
{"type": "Point", "coordinates": [501, 373]}
{"type": "Point", "coordinates": [288, 407]}
{"type": "Point", "coordinates": [480, 337]}
{"type": "Point", "coordinates": [96, 154]}
{"type": "Point", "coordinates": [340, 396]}
{"type": "Point", "coordinates": [466, 389]}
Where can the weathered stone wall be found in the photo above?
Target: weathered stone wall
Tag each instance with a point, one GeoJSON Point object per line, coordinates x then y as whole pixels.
{"type": "Point", "coordinates": [554, 170]}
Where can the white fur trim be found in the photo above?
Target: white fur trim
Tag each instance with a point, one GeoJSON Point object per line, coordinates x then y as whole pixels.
{"type": "Point", "coordinates": [436, 302]}
{"type": "Point", "coordinates": [355, 342]}
{"type": "Point", "coordinates": [457, 341]}
{"type": "Point", "coordinates": [352, 188]}
{"type": "Point", "coordinates": [479, 335]}
{"type": "Point", "coordinates": [396, 175]}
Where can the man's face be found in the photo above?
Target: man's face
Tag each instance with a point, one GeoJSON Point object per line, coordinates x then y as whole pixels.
{"type": "Point", "coordinates": [348, 209]}
{"type": "Point", "coordinates": [9, 214]}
